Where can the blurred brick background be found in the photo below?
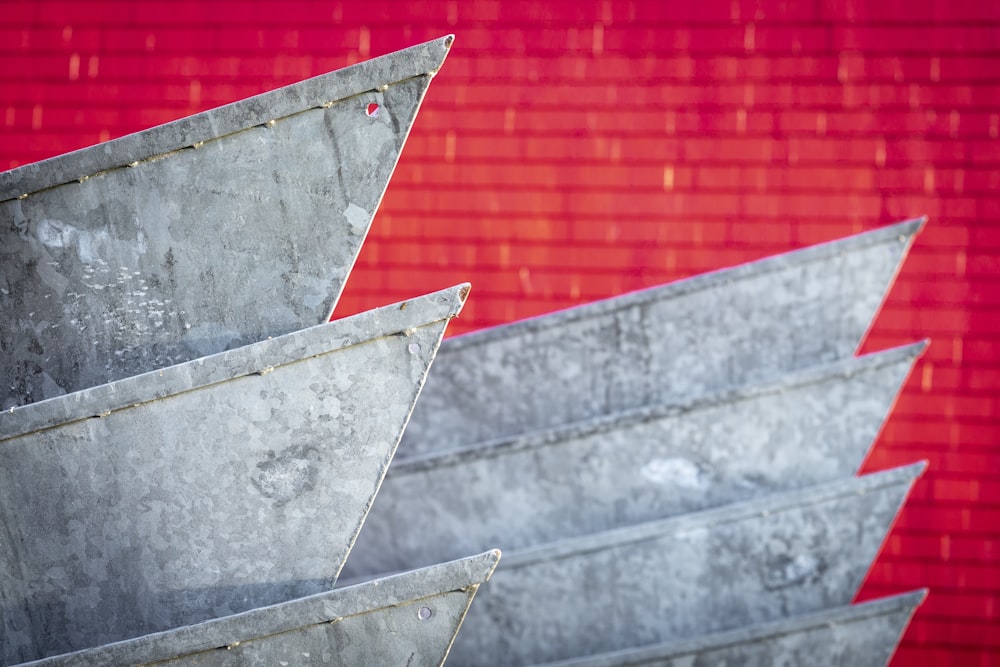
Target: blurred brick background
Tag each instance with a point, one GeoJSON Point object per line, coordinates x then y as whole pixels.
{"type": "Point", "coordinates": [574, 150]}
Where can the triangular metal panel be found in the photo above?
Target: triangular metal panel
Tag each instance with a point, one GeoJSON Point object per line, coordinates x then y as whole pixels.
{"type": "Point", "coordinates": [744, 564]}
{"type": "Point", "coordinates": [408, 619]}
{"type": "Point", "coordinates": [205, 488]}
{"type": "Point", "coordinates": [714, 331]}
{"type": "Point", "coordinates": [809, 427]}
{"type": "Point", "coordinates": [863, 635]}
{"type": "Point", "coordinates": [162, 246]}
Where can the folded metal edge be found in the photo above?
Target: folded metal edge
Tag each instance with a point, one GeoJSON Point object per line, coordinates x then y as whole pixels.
{"type": "Point", "coordinates": [901, 232]}
{"type": "Point", "coordinates": [811, 375]}
{"type": "Point", "coordinates": [325, 607]}
{"type": "Point", "coordinates": [850, 613]}
{"type": "Point", "coordinates": [651, 530]}
{"type": "Point", "coordinates": [420, 60]}
{"type": "Point", "coordinates": [257, 358]}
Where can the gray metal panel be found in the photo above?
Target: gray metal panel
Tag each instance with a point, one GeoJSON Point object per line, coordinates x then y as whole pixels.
{"type": "Point", "coordinates": [685, 339]}
{"type": "Point", "coordinates": [228, 483]}
{"type": "Point", "coordinates": [810, 427]}
{"type": "Point", "coordinates": [201, 235]}
{"type": "Point", "coordinates": [863, 635]}
{"type": "Point", "coordinates": [722, 569]}
{"type": "Point", "coordinates": [408, 619]}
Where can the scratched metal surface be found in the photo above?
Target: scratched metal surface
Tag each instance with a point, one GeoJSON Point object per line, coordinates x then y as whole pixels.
{"type": "Point", "coordinates": [862, 635]}
{"type": "Point", "coordinates": [809, 427]}
{"type": "Point", "coordinates": [715, 331]}
{"type": "Point", "coordinates": [744, 564]}
{"type": "Point", "coordinates": [205, 489]}
{"type": "Point", "coordinates": [201, 235]}
{"type": "Point", "coordinates": [407, 619]}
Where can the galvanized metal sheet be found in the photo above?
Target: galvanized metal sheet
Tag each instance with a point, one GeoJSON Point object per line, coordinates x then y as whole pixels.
{"type": "Point", "coordinates": [205, 489]}
{"type": "Point", "coordinates": [744, 564]}
{"type": "Point", "coordinates": [162, 246]}
{"type": "Point", "coordinates": [408, 619]}
{"type": "Point", "coordinates": [809, 427]}
{"type": "Point", "coordinates": [685, 339]}
{"type": "Point", "coordinates": [863, 635]}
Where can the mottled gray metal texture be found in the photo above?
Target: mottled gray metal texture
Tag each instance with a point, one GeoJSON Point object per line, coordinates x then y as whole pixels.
{"type": "Point", "coordinates": [744, 564]}
{"type": "Point", "coordinates": [863, 635]}
{"type": "Point", "coordinates": [685, 339]}
{"type": "Point", "coordinates": [228, 483]}
{"type": "Point", "coordinates": [201, 235]}
{"type": "Point", "coordinates": [812, 426]}
{"type": "Point", "coordinates": [408, 619]}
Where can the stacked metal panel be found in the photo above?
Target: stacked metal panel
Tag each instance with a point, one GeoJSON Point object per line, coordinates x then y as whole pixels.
{"type": "Point", "coordinates": [720, 330]}
{"type": "Point", "coordinates": [187, 453]}
{"type": "Point", "coordinates": [201, 235]}
{"type": "Point", "coordinates": [670, 473]}
{"type": "Point", "coordinates": [408, 619]}
{"type": "Point", "coordinates": [858, 635]}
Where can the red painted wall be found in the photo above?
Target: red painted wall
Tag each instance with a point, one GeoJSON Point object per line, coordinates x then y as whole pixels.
{"type": "Point", "coordinates": [569, 151]}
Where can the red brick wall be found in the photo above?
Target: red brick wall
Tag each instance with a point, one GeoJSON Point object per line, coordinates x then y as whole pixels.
{"type": "Point", "coordinates": [569, 151]}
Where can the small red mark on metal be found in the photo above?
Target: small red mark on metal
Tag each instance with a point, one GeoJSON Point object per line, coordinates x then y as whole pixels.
{"type": "Point", "coordinates": [372, 110]}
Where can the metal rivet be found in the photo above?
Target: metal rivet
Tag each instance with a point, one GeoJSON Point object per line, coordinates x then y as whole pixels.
{"type": "Point", "coordinates": [372, 110]}
{"type": "Point", "coordinates": [424, 613]}
{"type": "Point", "coordinates": [414, 348]}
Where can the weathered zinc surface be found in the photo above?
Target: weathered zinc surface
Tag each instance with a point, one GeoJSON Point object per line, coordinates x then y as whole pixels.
{"type": "Point", "coordinates": [408, 619]}
{"type": "Point", "coordinates": [160, 247]}
{"type": "Point", "coordinates": [744, 564]}
{"type": "Point", "coordinates": [207, 488]}
{"type": "Point", "coordinates": [669, 343]}
{"type": "Point", "coordinates": [862, 635]}
{"type": "Point", "coordinates": [810, 426]}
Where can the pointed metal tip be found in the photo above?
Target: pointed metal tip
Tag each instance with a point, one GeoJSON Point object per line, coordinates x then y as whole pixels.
{"type": "Point", "coordinates": [489, 559]}
{"type": "Point", "coordinates": [493, 558]}
{"type": "Point", "coordinates": [909, 601]}
{"type": "Point", "coordinates": [910, 472]}
{"type": "Point", "coordinates": [921, 346]}
{"type": "Point", "coordinates": [910, 227]}
{"type": "Point", "coordinates": [442, 47]}
{"type": "Point", "coordinates": [456, 296]}
{"type": "Point", "coordinates": [907, 473]}
{"type": "Point", "coordinates": [908, 350]}
{"type": "Point", "coordinates": [913, 350]}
